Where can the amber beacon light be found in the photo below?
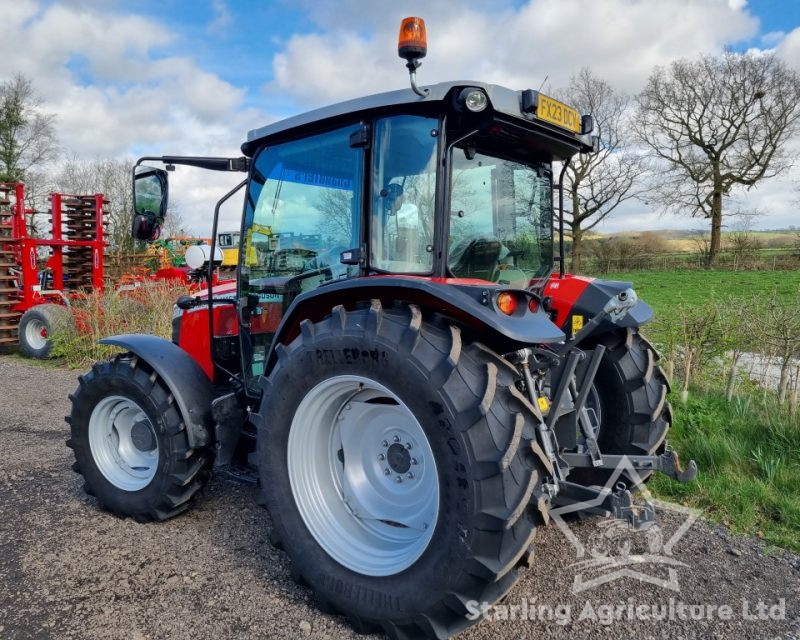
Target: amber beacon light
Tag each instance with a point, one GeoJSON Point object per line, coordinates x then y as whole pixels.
{"type": "Point", "coordinates": [412, 44]}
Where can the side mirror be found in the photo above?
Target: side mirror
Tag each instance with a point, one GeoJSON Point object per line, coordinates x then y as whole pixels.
{"type": "Point", "coordinates": [149, 202]}
{"type": "Point", "coordinates": [187, 302]}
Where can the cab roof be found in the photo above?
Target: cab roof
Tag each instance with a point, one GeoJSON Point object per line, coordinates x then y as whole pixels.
{"type": "Point", "coordinates": [501, 99]}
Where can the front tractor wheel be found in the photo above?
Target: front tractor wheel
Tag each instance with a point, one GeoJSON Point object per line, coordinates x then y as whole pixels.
{"type": "Point", "coordinates": [130, 442]}
{"type": "Point", "coordinates": [400, 469]}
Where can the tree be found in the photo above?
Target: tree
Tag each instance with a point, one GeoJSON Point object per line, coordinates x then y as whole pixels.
{"type": "Point", "coordinates": [597, 183]}
{"type": "Point", "coordinates": [336, 223]}
{"type": "Point", "coordinates": [27, 136]}
{"type": "Point", "coordinates": [716, 124]}
{"type": "Point", "coordinates": [111, 178]}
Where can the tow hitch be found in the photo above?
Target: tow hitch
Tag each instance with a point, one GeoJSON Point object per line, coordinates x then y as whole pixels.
{"type": "Point", "coordinates": [616, 503]}
{"type": "Point", "coordinates": [666, 463]}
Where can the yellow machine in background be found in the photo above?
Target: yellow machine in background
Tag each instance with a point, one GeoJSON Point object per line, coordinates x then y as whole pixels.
{"type": "Point", "coordinates": [228, 242]}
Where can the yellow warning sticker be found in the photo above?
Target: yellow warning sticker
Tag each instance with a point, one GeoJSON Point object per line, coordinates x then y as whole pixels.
{"type": "Point", "coordinates": [544, 404]}
{"type": "Point", "coordinates": [577, 324]}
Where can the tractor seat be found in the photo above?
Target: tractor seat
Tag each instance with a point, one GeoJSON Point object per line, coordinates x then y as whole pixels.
{"type": "Point", "coordinates": [476, 258]}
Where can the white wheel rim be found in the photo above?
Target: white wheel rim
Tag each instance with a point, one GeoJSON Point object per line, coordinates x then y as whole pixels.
{"type": "Point", "coordinates": [374, 509]}
{"type": "Point", "coordinates": [36, 334]}
{"type": "Point", "coordinates": [123, 443]}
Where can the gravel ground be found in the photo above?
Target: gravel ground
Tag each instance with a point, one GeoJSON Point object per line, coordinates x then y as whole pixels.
{"type": "Point", "coordinates": [68, 570]}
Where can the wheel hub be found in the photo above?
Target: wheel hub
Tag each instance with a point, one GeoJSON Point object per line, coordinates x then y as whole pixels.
{"type": "Point", "coordinates": [363, 475]}
{"type": "Point", "coordinates": [142, 436]}
{"type": "Point", "coordinates": [123, 443]}
{"type": "Point", "coordinates": [399, 458]}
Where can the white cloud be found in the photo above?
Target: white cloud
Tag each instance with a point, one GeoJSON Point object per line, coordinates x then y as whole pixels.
{"type": "Point", "coordinates": [103, 71]}
{"type": "Point", "coordinates": [222, 17]}
{"type": "Point", "coordinates": [115, 95]}
{"type": "Point", "coordinates": [622, 40]}
{"type": "Point", "coordinates": [789, 49]}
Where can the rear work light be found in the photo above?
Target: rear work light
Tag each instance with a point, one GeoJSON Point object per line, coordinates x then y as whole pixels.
{"type": "Point", "coordinates": [507, 303]}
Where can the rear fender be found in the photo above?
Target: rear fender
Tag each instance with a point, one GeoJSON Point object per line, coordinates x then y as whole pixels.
{"type": "Point", "coordinates": [186, 380]}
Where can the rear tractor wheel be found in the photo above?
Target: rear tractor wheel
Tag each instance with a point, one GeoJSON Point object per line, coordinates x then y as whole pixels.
{"type": "Point", "coordinates": [400, 470]}
{"type": "Point", "coordinates": [130, 442]}
{"type": "Point", "coordinates": [631, 400]}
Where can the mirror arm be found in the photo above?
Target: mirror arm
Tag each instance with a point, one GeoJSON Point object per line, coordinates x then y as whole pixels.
{"type": "Point", "coordinates": [241, 163]}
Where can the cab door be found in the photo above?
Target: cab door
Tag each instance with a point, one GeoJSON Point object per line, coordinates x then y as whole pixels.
{"type": "Point", "coordinates": [302, 209]}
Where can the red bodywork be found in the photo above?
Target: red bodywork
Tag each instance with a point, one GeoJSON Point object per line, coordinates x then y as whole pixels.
{"type": "Point", "coordinates": [193, 336]}
{"type": "Point", "coordinates": [565, 293]}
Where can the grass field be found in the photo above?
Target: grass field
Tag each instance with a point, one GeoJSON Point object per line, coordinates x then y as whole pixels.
{"type": "Point", "coordinates": [748, 450]}
{"type": "Point", "coordinates": [748, 453]}
{"type": "Point", "coordinates": [662, 289]}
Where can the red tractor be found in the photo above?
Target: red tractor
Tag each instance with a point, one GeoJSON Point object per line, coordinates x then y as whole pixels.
{"type": "Point", "coordinates": [396, 364]}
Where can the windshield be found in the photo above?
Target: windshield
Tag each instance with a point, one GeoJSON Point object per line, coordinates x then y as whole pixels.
{"type": "Point", "coordinates": [501, 219]}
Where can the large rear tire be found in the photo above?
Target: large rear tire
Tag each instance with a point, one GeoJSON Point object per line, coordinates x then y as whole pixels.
{"type": "Point", "coordinates": [371, 390]}
{"type": "Point", "coordinates": [130, 442]}
{"type": "Point", "coordinates": [635, 415]}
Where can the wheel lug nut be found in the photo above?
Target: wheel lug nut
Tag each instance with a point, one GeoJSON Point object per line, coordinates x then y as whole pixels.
{"type": "Point", "coordinates": [381, 456]}
{"type": "Point", "coordinates": [385, 443]}
{"type": "Point", "coordinates": [409, 475]}
{"type": "Point", "coordinates": [386, 472]}
{"type": "Point", "coordinates": [398, 479]}
{"type": "Point", "coordinates": [347, 407]}
{"type": "Point", "coordinates": [408, 446]}
{"type": "Point", "coordinates": [414, 461]}
{"type": "Point", "coordinates": [396, 438]}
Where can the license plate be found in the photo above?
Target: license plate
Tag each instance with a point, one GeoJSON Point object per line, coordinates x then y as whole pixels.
{"type": "Point", "coordinates": [558, 113]}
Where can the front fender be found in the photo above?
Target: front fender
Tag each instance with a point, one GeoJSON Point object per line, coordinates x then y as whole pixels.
{"type": "Point", "coordinates": [186, 380]}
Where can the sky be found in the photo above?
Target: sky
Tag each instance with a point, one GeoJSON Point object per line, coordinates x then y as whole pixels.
{"type": "Point", "coordinates": [187, 77]}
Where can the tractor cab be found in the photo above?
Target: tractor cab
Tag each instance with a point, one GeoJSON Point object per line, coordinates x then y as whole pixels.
{"type": "Point", "coordinates": [452, 185]}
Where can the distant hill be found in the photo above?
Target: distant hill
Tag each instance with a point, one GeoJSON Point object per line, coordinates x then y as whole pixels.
{"type": "Point", "coordinates": [670, 240]}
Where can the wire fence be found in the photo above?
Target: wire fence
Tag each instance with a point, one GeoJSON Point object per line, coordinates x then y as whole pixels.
{"type": "Point", "coordinates": [765, 260]}
{"type": "Point", "coordinates": [735, 343]}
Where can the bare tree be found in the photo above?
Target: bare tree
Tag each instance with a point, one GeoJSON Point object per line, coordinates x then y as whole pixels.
{"type": "Point", "coordinates": [743, 243]}
{"type": "Point", "coordinates": [111, 178]}
{"type": "Point", "coordinates": [174, 225]}
{"type": "Point", "coordinates": [598, 183]}
{"type": "Point", "coordinates": [780, 329]}
{"type": "Point", "coordinates": [27, 136]}
{"type": "Point", "coordinates": [336, 223]}
{"type": "Point", "coordinates": [716, 124]}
